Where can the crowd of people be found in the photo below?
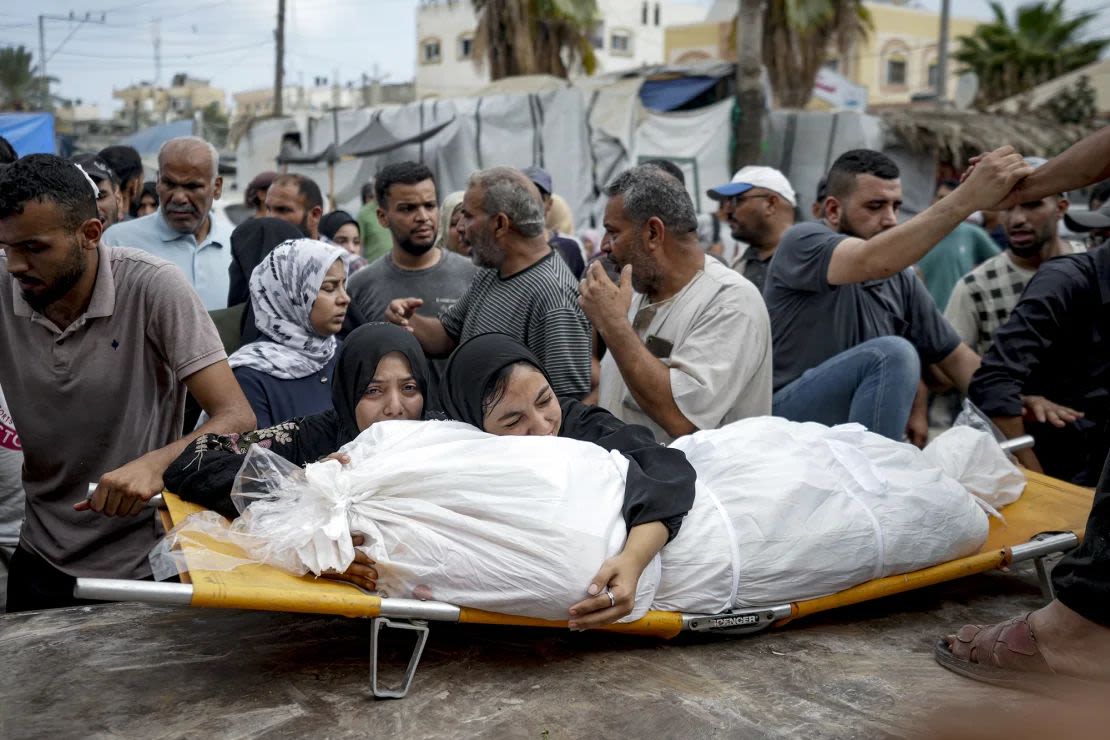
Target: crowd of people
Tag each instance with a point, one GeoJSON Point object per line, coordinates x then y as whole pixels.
{"type": "Point", "coordinates": [142, 333]}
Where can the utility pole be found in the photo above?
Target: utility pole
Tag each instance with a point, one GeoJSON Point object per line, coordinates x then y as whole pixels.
{"type": "Point", "coordinates": [156, 30]}
{"type": "Point", "coordinates": [44, 85]}
{"type": "Point", "coordinates": [44, 81]}
{"type": "Point", "coordinates": [279, 64]}
{"type": "Point", "coordinates": [749, 84]}
{"type": "Point", "coordinates": [942, 58]}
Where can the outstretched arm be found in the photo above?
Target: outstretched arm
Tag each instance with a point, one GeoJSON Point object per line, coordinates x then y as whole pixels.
{"type": "Point", "coordinates": [859, 260]}
{"type": "Point", "coordinates": [1082, 164]}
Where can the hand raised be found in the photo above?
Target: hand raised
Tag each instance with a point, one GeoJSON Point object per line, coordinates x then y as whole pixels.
{"type": "Point", "coordinates": [992, 178]}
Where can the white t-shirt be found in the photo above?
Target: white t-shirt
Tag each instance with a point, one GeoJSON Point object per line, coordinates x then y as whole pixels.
{"type": "Point", "coordinates": [11, 478]}
{"type": "Point", "coordinates": [715, 337]}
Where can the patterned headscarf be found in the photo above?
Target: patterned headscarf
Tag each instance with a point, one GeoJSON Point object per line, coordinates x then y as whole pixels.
{"type": "Point", "coordinates": [283, 288]}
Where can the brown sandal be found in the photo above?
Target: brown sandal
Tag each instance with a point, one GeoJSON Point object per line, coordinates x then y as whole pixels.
{"type": "Point", "coordinates": [1004, 654]}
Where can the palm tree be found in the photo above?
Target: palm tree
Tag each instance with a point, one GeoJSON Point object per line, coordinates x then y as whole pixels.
{"type": "Point", "coordinates": [521, 37]}
{"type": "Point", "coordinates": [798, 36]}
{"type": "Point", "coordinates": [20, 88]}
{"type": "Point", "coordinates": [1043, 42]}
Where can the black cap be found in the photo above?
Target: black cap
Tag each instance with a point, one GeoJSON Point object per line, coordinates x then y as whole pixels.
{"type": "Point", "coordinates": [541, 178]}
{"type": "Point", "coordinates": [96, 168]}
{"type": "Point", "coordinates": [1089, 220]}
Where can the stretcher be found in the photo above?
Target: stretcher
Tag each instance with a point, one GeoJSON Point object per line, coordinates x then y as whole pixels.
{"type": "Point", "coordinates": [1048, 518]}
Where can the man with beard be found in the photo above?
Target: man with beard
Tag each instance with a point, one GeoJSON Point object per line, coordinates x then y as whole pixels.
{"type": "Point", "coordinates": [108, 203]}
{"type": "Point", "coordinates": [101, 344]}
{"type": "Point", "coordinates": [688, 339]}
{"type": "Point", "coordinates": [759, 207]}
{"type": "Point", "coordinates": [183, 230]}
{"type": "Point", "coordinates": [296, 199]}
{"type": "Point", "coordinates": [126, 163]}
{"type": "Point", "coordinates": [983, 299]}
{"type": "Point", "coordinates": [851, 323]}
{"type": "Point", "coordinates": [528, 292]}
{"type": "Point", "coordinates": [408, 207]}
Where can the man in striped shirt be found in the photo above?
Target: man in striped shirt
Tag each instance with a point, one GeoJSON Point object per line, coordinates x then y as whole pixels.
{"type": "Point", "coordinates": [528, 292]}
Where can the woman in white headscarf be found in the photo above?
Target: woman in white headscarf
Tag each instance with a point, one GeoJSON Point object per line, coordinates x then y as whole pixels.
{"type": "Point", "coordinates": [447, 237]}
{"type": "Point", "coordinates": [300, 300]}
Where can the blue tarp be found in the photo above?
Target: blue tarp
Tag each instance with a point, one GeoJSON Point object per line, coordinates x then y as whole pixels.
{"type": "Point", "coordinates": [666, 95]}
{"type": "Point", "coordinates": [150, 140]}
{"type": "Point", "coordinates": [29, 133]}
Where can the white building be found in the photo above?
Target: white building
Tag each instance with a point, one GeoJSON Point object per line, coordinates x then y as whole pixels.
{"type": "Point", "coordinates": [629, 35]}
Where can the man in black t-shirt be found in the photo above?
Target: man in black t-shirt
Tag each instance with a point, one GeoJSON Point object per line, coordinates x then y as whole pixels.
{"type": "Point", "coordinates": [849, 321]}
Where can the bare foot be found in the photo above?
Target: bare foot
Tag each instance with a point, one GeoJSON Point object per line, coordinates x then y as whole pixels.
{"type": "Point", "coordinates": [1071, 644]}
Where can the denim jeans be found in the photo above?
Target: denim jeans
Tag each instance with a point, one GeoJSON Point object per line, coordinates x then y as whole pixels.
{"type": "Point", "coordinates": [873, 383]}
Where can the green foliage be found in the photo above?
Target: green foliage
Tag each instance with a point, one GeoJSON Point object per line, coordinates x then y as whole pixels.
{"type": "Point", "coordinates": [523, 37]}
{"type": "Point", "coordinates": [1072, 104]}
{"type": "Point", "coordinates": [797, 38]}
{"type": "Point", "coordinates": [20, 88]}
{"type": "Point", "coordinates": [1042, 43]}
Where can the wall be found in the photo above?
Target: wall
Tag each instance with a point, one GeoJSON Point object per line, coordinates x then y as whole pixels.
{"type": "Point", "coordinates": [454, 76]}
{"type": "Point", "coordinates": [906, 32]}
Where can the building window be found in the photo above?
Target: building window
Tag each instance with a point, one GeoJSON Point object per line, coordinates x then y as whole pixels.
{"type": "Point", "coordinates": [933, 75]}
{"type": "Point", "coordinates": [466, 46]}
{"type": "Point", "coordinates": [643, 13]}
{"type": "Point", "coordinates": [896, 71]}
{"type": "Point", "coordinates": [430, 52]}
{"type": "Point", "coordinates": [657, 14]}
{"type": "Point", "coordinates": [620, 43]}
{"type": "Point", "coordinates": [597, 36]}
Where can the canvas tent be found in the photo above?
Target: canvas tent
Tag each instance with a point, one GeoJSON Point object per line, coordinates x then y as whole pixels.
{"type": "Point", "coordinates": [583, 134]}
{"type": "Point", "coordinates": [28, 133]}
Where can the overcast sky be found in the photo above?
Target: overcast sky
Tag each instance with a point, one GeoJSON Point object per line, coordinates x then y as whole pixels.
{"type": "Point", "coordinates": [230, 42]}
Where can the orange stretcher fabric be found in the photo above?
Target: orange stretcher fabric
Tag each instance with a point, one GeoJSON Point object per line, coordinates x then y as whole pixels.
{"type": "Point", "coordinates": [1046, 505]}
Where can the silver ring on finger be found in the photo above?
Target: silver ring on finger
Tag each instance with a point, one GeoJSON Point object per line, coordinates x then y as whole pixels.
{"type": "Point", "coordinates": [612, 599]}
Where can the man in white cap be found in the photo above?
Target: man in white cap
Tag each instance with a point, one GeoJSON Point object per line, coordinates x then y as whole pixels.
{"type": "Point", "coordinates": [759, 206]}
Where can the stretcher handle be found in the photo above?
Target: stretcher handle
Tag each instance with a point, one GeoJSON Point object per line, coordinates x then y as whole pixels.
{"type": "Point", "coordinates": [1024, 442]}
{"type": "Point", "coordinates": [155, 501]}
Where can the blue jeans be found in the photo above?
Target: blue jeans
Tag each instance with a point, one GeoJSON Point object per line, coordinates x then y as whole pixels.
{"type": "Point", "coordinates": [872, 383]}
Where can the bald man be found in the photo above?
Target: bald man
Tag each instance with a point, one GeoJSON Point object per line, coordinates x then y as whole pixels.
{"type": "Point", "coordinates": [183, 230]}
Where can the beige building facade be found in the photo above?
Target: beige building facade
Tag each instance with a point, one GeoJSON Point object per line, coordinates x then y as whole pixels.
{"type": "Point", "coordinates": [896, 62]}
{"type": "Point", "coordinates": [146, 104]}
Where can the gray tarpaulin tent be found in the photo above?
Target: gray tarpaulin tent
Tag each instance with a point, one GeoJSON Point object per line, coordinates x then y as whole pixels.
{"type": "Point", "coordinates": [583, 134]}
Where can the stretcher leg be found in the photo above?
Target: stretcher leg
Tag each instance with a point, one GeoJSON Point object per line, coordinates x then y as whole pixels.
{"type": "Point", "coordinates": [1043, 575]}
{"type": "Point", "coordinates": [419, 626]}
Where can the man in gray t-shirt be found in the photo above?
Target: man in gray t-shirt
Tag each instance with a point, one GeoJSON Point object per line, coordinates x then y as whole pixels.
{"type": "Point", "coordinates": [414, 267]}
{"type": "Point", "coordinates": [108, 340]}
{"type": "Point", "coordinates": [850, 324]}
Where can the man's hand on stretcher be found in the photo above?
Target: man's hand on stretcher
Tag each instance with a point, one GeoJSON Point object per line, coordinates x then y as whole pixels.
{"type": "Point", "coordinates": [125, 491]}
{"type": "Point", "coordinates": [618, 576]}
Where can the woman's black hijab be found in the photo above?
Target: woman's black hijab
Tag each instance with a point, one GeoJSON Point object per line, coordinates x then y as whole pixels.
{"type": "Point", "coordinates": [473, 367]}
{"type": "Point", "coordinates": [333, 222]}
{"type": "Point", "coordinates": [357, 362]}
{"type": "Point", "coordinates": [250, 243]}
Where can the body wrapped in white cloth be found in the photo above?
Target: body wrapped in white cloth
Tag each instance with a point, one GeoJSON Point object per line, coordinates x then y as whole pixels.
{"type": "Point", "coordinates": [520, 525]}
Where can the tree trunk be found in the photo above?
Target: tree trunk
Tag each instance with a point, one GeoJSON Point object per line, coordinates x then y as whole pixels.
{"type": "Point", "coordinates": [749, 87]}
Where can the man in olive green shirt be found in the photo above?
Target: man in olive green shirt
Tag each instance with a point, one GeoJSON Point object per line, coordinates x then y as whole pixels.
{"type": "Point", "coordinates": [376, 239]}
